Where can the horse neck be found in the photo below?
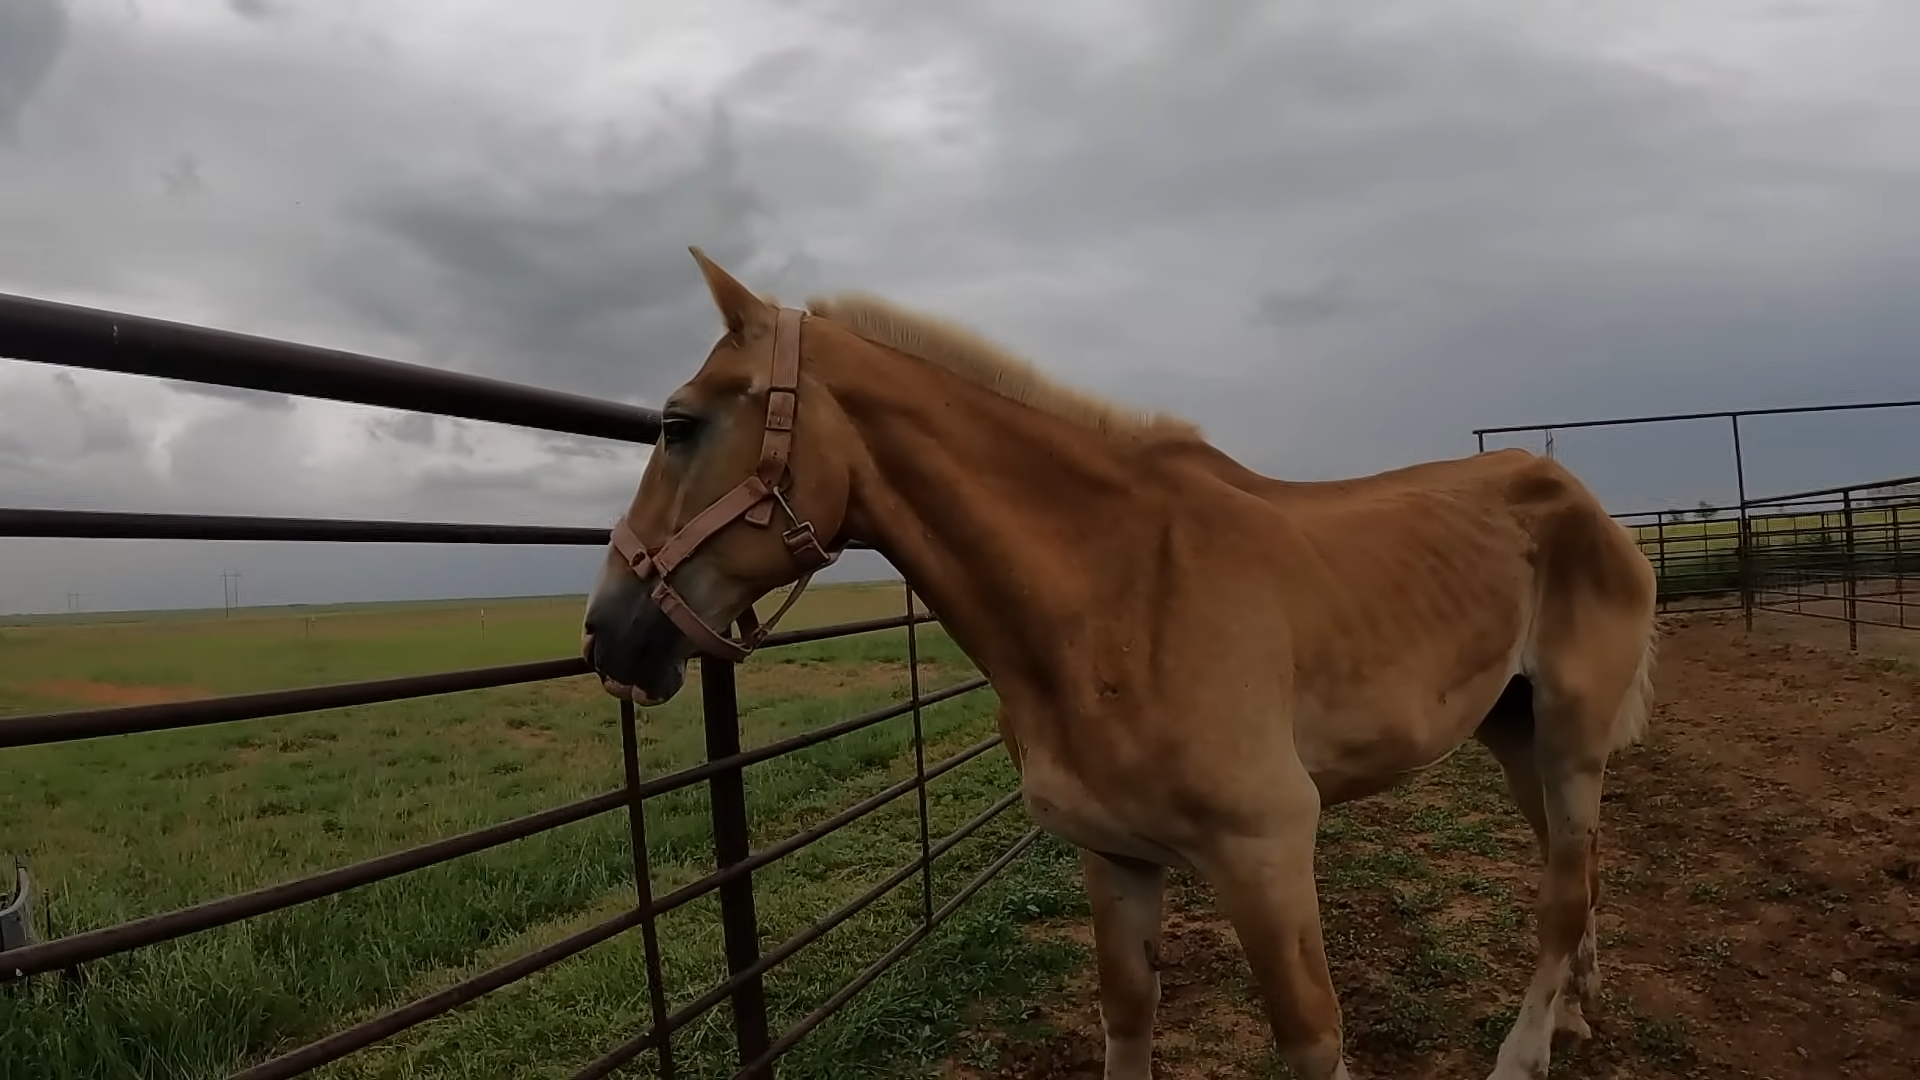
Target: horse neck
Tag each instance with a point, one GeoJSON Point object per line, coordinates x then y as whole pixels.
{"type": "Point", "coordinates": [1010, 522]}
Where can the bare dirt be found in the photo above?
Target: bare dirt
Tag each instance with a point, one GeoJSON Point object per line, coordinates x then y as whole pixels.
{"type": "Point", "coordinates": [1760, 914]}
{"type": "Point", "coordinates": [84, 692]}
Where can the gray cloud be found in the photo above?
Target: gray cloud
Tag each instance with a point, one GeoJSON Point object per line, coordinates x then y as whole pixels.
{"type": "Point", "coordinates": [578, 272]}
{"type": "Point", "coordinates": [259, 399]}
{"type": "Point", "coordinates": [1337, 239]}
{"type": "Point", "coordinates": [259, 10]}
{"type": "Point", "coordinates": [32, 35]}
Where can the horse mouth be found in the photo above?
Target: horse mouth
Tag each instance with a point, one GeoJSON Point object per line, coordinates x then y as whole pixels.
{"type": "Point", "coordinates": [620, 691]}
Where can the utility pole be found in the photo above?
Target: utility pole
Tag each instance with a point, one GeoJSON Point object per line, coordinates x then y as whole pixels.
{"type": "Point", "coordinates": [73, 603]}
{"type": "Point", "coordinates": [229, 591]}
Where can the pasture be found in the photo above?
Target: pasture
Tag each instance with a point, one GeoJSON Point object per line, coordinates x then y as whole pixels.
{"type": "Point", "coordinates": [122, 827]}
{"type": "Point", "coordinates": [1758, 918]}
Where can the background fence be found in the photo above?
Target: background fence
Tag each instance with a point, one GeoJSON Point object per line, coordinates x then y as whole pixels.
{"type": "Point", "coordinates": [1840, 553]}
{"type": "Point", "coordinates": [78, 337]}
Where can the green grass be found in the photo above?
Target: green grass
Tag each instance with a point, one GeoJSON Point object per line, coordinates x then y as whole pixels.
{"type": "Point", "coordinates": [123, 827]}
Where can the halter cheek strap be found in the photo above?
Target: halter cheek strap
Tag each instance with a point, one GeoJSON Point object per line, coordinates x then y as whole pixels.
{"type": "Point", "coordinates": [753, 501]}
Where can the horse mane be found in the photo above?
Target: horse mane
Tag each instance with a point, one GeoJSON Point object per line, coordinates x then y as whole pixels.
{"type": "Point", "coordinates": [967, 354]}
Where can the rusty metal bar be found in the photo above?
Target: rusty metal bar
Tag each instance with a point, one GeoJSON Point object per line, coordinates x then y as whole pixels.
{"type": "Point", "coordinates": [76, 724]}
{"type": "Point", "coordinates": [1815, 493]}
{"type": "Point", "coordinates": [1723, 414]}
{"type": "Point", "coordinates": [920, 762]}
{"type": "Point", "coordinates": [1899, 565]}
{"type": "Point", "coordinates": [154, 929]}
{"type": "Point", "coordinates": [613, 1059]}
{"type": "Point", "coordinates": [769, 751]}
{"type": "Point", "coordinates": [643, 886]}
{"type": "Point", "coordinates": [839, 998]}
{"type": "Point", "coordinates": [1660, 531]}
{"type": "Point", "coordinates": [45, 332]}
{"type": "Point", "coordinates": [103, 525]}
{"type": "Point", "coordinates": [694, 890]}
{"type": "Point", "coordinates": [1745, 538]}
{"type": "Point", "coordinates": [1833, 618]}
{"type": "Point", "coordinates": [52, 333]}
{"type": "Point", "coordinates": [342, 1043]}
{"type": "Point", "coordinates": [364, 1034]}
{"type": "Point", "coordinates": [113, 525]}
{"type": "Point", "coordinates": [732, 841]}
{"type": "Point", "coordinates": [1850, 585]}
{"type": "Point", "coordinates": [135, 719]}
{"type": "Point", "coordinates": [810, 634]}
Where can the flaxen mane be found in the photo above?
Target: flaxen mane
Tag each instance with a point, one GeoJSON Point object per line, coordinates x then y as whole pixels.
{"type": "Point", "coordinates": [974, 358]}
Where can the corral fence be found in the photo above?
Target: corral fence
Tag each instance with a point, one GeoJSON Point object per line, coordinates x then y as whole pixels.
{"type": "Point", "coordinates": [76, 337]}
{"type": "Point", "coordinates": [1849, 553]}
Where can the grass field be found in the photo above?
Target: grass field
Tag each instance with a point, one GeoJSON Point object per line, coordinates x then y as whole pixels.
{"type": "Point", "coordinates": [1872, 525]}
{"type": "Point", "coordinates": [122, 827]}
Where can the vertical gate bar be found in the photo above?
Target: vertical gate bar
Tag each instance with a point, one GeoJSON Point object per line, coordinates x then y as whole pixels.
{"type": "Point", "coordinates": [643, 887]}
{"type": "Point", "coordinates": [1743, 539]}
{"type": "Point", "coordinates": [1480, 437]}
{"type": "Point", "coordinates": [1899, 568]}
{"type": "Point", "coordinates": [1662, 590]}
{"type": "Point", "coordinates": [1852, 584]}
{"type": "Point", "coordinates": [919, 762]}
{"type": "Point", "coordinates": [727, 793]}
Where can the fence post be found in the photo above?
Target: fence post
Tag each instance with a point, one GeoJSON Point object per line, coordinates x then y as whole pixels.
{"type": "Point", "coordinates": [919, 762]}
{"type": "Point", "coordinates": [1743, 540]}
{"type": "Point", "coordinates": [1852, 583]}
{"type": "Point", "coordinates": [1662, 589]}
{"type": "Point", "coordinates": [727, 796]}
{"type": "Point", "coordinates": [1899, 567]}
{"type": "Point", "coordinates": [643, 889]}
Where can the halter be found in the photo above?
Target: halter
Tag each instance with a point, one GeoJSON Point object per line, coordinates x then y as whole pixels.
{"type": "Point", "coordinates": [752, 501]}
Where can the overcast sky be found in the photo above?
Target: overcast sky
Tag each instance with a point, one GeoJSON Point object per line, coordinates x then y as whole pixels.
{"type": "Point", "coordinates": [1339, 236]}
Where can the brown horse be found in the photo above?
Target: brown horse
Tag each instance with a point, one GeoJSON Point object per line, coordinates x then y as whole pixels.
{"type": "Point", "coordinates": [1192, 659]}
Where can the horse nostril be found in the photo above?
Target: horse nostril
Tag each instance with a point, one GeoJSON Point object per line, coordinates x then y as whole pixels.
{"type": "Point", "coordinates": [591, 629]}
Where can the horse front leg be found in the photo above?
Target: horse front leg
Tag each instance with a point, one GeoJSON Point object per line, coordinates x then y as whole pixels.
{"type": "Point", "coordinates": [1128, 898]}
{"type": "Point", "coordinates": [1266, 889]}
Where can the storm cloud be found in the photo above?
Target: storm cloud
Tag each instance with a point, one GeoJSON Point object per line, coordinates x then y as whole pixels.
{"type": "Point", "coordinates": [1339, 238]}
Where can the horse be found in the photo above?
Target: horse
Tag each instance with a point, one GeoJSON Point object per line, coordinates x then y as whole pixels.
{"type": "Point", "coordinates": [1192, 660]}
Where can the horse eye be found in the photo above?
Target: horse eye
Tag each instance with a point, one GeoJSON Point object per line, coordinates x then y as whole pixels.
{"type": "Point", "coordinates": [677, 430]}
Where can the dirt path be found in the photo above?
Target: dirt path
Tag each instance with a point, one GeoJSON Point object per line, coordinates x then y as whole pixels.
{"type": "Point", "coordinates": [1761, 915]}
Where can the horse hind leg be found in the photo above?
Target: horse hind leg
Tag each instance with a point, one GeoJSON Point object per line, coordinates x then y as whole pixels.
{"type": "Point", "coordinates": [1584, 708]}
{"type": "Point", "coordinates": [1507, 733]}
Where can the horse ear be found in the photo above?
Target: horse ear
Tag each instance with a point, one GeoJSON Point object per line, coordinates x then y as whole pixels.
{"type": "Point", "coordinates": [745, 314]}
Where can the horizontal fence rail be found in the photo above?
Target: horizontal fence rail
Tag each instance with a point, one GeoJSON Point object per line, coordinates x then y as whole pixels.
{"type": "Point", "coordinates": [1843, 554]}
{"type": "Point", "coordinates": [46, 332]}
{"type": "Point", "coordinates": [51, 333]}
{"type": "Point", "coordinates": [1722, 557]}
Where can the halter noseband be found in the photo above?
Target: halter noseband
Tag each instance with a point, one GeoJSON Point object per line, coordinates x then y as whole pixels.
{"type": "Point", "coordinates": [752, 501]}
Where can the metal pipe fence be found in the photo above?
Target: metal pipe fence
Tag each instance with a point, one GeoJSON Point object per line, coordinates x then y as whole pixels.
{"type": "Point", "coordinates": [1845, 553]}
{"type": "Point", "coordinates": [44, 332]}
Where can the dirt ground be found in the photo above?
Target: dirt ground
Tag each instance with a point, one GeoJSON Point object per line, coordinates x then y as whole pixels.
{"type": "Point", "coordinates": [1760, 914]}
